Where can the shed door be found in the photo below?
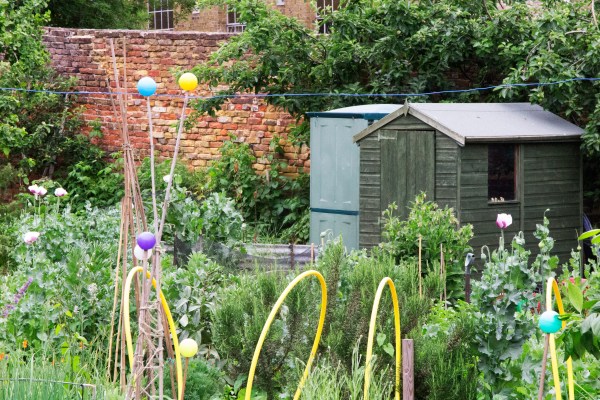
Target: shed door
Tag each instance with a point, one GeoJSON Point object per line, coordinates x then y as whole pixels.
{"type": "Point", "coordinates": [407, 167]}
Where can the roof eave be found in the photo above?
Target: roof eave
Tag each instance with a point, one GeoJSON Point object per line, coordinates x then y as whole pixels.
{"type": "Point", "coordinates": [522, 139]}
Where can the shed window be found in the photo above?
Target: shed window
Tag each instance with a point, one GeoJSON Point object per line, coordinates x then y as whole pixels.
{"type": "Point", "coordinates": [502, 177]}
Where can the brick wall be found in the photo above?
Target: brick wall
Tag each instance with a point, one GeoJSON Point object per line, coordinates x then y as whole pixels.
{"type": "Point", "coordinates": [85, 54]}
{"type": "Point", "coordinates": [214, 19]}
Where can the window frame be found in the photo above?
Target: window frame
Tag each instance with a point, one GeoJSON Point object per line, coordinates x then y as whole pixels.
{"type": "Point", "coordinates": [164, 7]}
{"type": "Point", "coordinates": [233, 26]}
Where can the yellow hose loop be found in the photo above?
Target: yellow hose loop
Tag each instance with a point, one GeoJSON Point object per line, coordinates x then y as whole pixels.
{"type": "Point", "coordinates": [552, 287]}
{"type": "Point", "coordinates": [172, 328]}
{"type": "Point", "coordinates": [270, 320]}
{"type": "Point", "coordinates": [389, 282]}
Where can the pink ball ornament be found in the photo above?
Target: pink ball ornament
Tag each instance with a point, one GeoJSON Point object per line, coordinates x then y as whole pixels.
{"type": "Point", "coordinates": [146, 240]}
{"type": "Point", "coordinates": [549, 322]}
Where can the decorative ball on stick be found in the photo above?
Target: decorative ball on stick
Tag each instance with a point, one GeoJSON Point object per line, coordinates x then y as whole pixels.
{"type": "Point", "coordinates": [550, 322]}
{"type": "Point", "coordinates": [141, 254]}
{"type": "Point", "coordinates": [146, 86]}
{"type": "Point", "coordinates": [188, 348]}
{"type": "Point", "coordinates": [146, 240]}
{"type": "Point", "coordinates": [188, 81]}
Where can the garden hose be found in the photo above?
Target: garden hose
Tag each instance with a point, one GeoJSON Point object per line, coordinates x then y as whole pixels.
{"type": "Point", "coordinates": [127, 327]}
{"type": "Point", "coordinates": [389, 282]}
{"type": "Point", "coordinates": [270, 320]}
{"type": "Point", "coordinates": [552, 287]}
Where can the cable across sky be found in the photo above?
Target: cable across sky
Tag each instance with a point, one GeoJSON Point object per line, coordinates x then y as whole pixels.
{"type": "Point", "coordinates": [333, 94]}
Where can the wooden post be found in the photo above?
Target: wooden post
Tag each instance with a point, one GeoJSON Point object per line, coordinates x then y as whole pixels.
{"type": "Point", "coordinates": [420, 277]}
{"type": "Point", "coordinates": [408, 369]}
{"type": "Point", "coordinates": [543, 373]}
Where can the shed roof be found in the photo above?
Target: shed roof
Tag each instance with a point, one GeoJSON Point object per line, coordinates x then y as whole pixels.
{"type": "Point", "coordinates": [372, 112]}
{"type": "Point", "coordinates": [486, 122]}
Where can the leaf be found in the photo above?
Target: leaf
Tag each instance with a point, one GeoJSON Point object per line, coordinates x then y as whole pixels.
{"type": "Point", "coordinates": [184, 320]}
{"type": "Point", "coordinates": [43, 336]}
{"type": "Point", "coordinates": [575, 296]}
{"type": "Point", "coordinates": [589, 234]}
{"type": "Point", "coordinates": [381, 339]}
{"type": "Point", "coordinates": [389, 349]}
{"type": "Point", "coordinates": [595, 324]}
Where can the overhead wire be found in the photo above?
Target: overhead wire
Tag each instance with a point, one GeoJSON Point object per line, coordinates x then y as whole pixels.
{"type": "Point", "coordinates": [330, 94]}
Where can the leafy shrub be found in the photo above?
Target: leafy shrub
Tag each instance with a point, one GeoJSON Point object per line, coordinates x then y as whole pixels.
{"type": "Point", "coordinates": [69, 299]}
{"type": "Point", "coordinates": [445, 354]}
{"type": "Point", "coordinates": [437, 227]}
{"type": "Point", "coordinates": [353, 281]}
{"type": "Point", "coordinates": [203, 382]}
{"type": "Point", "coordinates": [192, 293]}
{"type": "Point", "coordinates": [509, 287]}
{"type": "Point", "coordinates": [271, 201]}
{"type": "Point", "coordinates": [241, 314]}
{"type": "Point", "coordinates": [95, 181]}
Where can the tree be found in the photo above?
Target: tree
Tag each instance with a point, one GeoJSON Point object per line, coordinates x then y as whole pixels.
{"type": "Point", "coordinates": [388, 46]}
{"type": "Point", "coordinates": [38, 128]}
{"type": "Point", "coordinates": [109, 14]}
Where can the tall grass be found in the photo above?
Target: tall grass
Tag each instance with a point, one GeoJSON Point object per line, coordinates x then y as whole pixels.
{"type": "Point", "coordinates": [334, 382]}
{"type": "Point", "coordinates": [27, 377]}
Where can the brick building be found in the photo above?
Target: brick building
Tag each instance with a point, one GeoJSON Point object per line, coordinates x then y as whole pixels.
{"type": "Point", "coordinates": [225, 19]}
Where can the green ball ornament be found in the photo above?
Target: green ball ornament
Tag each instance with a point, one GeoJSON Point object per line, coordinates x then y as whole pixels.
{"type": "Point", "coordinates": [549, 322]}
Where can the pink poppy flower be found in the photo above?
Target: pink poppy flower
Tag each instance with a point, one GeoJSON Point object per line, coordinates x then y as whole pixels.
{"type": "Point", "coordinates": [31, 237]}
{"type": "Point", "coordinates": [503, 221]}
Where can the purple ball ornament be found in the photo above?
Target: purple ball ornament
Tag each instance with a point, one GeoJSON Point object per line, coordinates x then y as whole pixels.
{"type": "Point", "coordinates": [550, 322]}
{"type": "Point", "coordinates": [146, 240]}
{"type": "Point", "coordinates": [146, 86]}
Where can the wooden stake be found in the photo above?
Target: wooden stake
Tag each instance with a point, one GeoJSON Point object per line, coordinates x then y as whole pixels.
{"type": "Point", "coordinates": [115, 297]}
{"type": "Point", "coordinates": [544, 362]}
{"type": "Point", "coordinates": [420, 277]}
{"type": "Point", "coordinates": [443, 274]}
{"type": "Point", "coordinates": [408, 369]}
{"type": "Point", "coordinates": [187, 361]}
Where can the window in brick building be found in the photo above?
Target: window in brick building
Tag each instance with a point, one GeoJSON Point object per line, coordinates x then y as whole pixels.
{"type": "Point", "coordinates": [161, 14]}
{"type": "Point", "coordinates": [233, 24]}
{"type": "Point", "coordinates": [323, 7]}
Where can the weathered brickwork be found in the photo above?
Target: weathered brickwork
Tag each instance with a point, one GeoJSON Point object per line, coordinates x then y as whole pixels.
{"type": "Point", "coordinates": [86, 55]}
{"type": "Point", "coordinates": [214, 19]}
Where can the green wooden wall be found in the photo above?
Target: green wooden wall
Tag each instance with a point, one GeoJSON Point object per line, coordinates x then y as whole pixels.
{"type": "Point", "coordinates": [552, 180]}
{"type": "Point", "coordinates": [370, 192]}
{"type": "Point", "coordinates": [548, 177]}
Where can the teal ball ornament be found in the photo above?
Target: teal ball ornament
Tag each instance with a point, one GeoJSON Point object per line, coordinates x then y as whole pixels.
{"type": "Point", "coordinates": [146, 86]}
{"type": "Point", "coordinates": [550, 322]}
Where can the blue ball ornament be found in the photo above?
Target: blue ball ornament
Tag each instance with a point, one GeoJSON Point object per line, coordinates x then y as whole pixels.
{"type": "Point", "coordinates": [549, 322]}
{"type": "Point", "coordinates": [146, 240]}
{"type": "Point", "coordinates": [146, 86]}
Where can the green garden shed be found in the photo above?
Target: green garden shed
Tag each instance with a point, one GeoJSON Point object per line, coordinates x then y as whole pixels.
{"type": "Point", "coordinates": [482, 159]}
{"type": "Point", "coordinates": [334, 169]}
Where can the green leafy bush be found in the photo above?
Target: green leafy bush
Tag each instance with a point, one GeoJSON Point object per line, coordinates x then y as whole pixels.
{"type": "Point", "coordinates": [192, 292]}
{"type": "Point", "coordinates": [68, 301]}
{"type": "Point", "coordinates": [239, 318]}
{"type": "Point", "coordinates": [204, 381]}
{"type": "Point", "coordinates": [508, 289]}
{"type": "Point", "coordinates": [271, 202]}
{"type": "Point", "coordinates": [436, 226]}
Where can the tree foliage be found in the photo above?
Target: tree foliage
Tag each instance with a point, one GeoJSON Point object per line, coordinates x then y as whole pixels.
{"type": "Point", "coordinates": [109, 14]}
{"type": "Point", "coordinates": [38, 129]}
{"type": "Point", "coordinates": [388, 46]}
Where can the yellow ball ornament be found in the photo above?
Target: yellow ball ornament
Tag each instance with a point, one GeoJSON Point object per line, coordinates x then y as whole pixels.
{"type": "Point", "coordinates": [188, 348]}
{"type": "Point", "coordinates": [188, 81]}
